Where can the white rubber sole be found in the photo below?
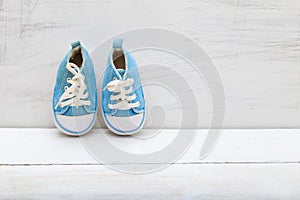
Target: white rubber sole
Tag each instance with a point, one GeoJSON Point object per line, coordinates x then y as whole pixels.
{"type": "Point", "coordinates": [113, 129]}
{"type": "Point", "coordinates": [61, 129]}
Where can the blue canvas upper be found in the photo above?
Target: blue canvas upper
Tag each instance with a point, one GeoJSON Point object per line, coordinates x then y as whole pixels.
{"type": "Point", "coordinates": [87, 69]}
{"type": "Point", "coordinates": [111, 73]}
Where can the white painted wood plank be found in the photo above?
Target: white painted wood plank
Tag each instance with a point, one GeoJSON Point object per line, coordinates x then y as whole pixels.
{"type": "Point", "coordinates": [48, 146]}
{"type": "Point", "coordinates": [210, 182]}
{"type": "Point", "coordinates": [254, 44]}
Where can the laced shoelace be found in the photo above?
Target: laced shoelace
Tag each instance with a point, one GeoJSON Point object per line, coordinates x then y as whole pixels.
{"type": "Point", "coordinates": [74, 95]}
{"type": "Point", "coordinates": [123, 97]}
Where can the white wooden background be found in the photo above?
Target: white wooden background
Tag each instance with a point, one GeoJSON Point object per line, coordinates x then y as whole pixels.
{"type": "Point", "coordinates": [254, 44]}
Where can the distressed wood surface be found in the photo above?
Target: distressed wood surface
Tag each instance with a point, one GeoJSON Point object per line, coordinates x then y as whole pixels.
{"type": "Point", "coordinates": [254, 44]}
{"type": "Point", "coordinates": [48, 146]}
{"type": "Point", "coordinates": [245, 165]}
{"type": "Point", "coordinates": [233, 181]}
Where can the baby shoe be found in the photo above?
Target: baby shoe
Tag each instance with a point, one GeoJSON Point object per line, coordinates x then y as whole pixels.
{"type": "Point", "coordinates": [123, 103]}
{"type": "Point", "coordinates": [74, 102]}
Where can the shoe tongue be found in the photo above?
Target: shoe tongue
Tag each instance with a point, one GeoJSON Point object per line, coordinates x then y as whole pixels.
{"type": "Point", "coordinates": [121, 72]}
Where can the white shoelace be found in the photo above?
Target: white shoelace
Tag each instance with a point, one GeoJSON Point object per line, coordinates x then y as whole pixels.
{"type": "Point", "coordinates": [74, 95]}
{"type": "Point", "coordinates": [123, 96]}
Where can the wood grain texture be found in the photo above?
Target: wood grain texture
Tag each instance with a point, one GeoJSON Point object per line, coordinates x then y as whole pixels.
{"type": "Point", "coordinates": [211, 182]}
{"type": "Point", "coordinates": [245, 165]}
{"type": "Point", "coordinates": [254, 44]}
{"type": "Point", "coordinates": [49, 147]}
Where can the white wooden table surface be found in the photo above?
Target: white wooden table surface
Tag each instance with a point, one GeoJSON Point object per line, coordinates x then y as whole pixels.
{"type": "Point", "coordinates": [246, 164]}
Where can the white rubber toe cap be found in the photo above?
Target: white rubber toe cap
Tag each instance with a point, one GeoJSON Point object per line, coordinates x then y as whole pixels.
{"type": "Point", "coordinates": [75, 125]}
{"type": "Point", "coordinates": [125, 125]}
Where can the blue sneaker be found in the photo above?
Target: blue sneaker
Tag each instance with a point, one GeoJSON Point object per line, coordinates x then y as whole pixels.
{"type": "Point", "coordinates": [75, 98]}
{"type": "Point", "coordinates": [123, 103]}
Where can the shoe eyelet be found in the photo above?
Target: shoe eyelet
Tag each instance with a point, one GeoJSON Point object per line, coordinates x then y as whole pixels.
{"type": "Point", "coordinates": [114, 78]}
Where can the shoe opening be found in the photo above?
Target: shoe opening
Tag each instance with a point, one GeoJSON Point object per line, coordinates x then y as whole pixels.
{"type": "Point", "coordinates": [76, 57]}
{"type": "Point", "coordinates": [119, 59]}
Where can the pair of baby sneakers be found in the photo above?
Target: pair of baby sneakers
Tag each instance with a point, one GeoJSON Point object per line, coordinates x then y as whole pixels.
{"type": "Point", "coordinates": [75, 97]}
